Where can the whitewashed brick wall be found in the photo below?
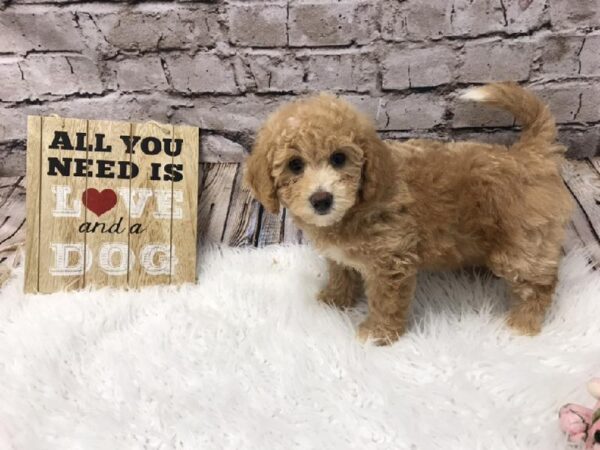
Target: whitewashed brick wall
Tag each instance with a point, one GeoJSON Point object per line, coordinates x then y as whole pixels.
{"type": "Point", "coordinates": [223, 65]}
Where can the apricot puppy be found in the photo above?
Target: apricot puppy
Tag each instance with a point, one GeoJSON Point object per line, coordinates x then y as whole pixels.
{"type": "Point", "coordinates": [380, 211]}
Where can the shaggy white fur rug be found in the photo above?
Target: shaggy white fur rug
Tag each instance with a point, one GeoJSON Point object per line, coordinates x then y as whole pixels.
{"type": "Point", "coordinates": [248, 359]}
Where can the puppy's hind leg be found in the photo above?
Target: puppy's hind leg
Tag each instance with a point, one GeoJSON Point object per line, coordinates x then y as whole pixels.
{"type": "Point", "coordinates": [532, 283]}
{"type": "Point", "coordinates": [530, 304]}
{"type": "Point", "coordinates": [344, 286]}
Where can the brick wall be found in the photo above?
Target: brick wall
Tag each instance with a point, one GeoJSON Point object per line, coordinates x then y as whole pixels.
{"type": "Point", "coordinates": [224, 65]}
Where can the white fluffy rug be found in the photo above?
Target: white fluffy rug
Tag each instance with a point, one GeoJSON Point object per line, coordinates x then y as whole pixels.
{"type": "Point", "coordinates": [248, 359]}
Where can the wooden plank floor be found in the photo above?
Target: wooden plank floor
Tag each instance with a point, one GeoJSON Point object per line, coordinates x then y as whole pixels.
{"type": "Point", "coordinates": [12, 215]}
{"type": "Point", "coordinates": [228, 215]}
{"type": "Point", "coordinates": [582, 178]}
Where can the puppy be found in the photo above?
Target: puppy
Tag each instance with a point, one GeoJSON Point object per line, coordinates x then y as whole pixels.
{"type": "Point", "coordinates": [380, 211]}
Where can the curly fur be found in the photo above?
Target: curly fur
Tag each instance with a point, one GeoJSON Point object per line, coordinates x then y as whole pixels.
{"type": "Point", "coordinates": [400, 207]}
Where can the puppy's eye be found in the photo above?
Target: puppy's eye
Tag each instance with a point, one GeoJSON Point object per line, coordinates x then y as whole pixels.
{"type": "Point", "coordinates": [337, 159]}
{"type": "Point", "coordinates": [296, 165]}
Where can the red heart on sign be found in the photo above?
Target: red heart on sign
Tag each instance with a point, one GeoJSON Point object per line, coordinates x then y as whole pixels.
{"type": "Point", "coordinates": [99, 202]}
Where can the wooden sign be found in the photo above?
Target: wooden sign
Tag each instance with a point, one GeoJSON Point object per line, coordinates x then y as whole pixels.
{"type": "Point", "coordinates": [110, 204]}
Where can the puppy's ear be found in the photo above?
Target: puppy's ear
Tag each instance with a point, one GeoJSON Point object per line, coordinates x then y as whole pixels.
{"type": "Point", "coordinates": [257, 174]}
{"type": "Point", "coordinates": [378, 167]}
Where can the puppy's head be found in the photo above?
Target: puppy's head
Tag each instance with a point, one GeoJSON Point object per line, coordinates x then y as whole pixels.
{"type": "Point", "coordinates": [318, 157]}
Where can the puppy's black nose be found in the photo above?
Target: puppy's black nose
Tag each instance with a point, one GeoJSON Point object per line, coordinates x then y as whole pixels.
{"type": "Point", "coordinates": [597, 436]}
{"type": "Point", "coordinates": [321, 201]}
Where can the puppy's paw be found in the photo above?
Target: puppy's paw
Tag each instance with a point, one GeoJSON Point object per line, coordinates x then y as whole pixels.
{"type": "Point", "coordinates": [379, 332]}
{"type": "Point", "coordinates": [336, 298]}
{"type": "Point", "coordinates": [525, 323]}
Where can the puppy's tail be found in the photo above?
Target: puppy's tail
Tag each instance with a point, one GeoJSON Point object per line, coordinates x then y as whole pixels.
{"type": "Point", "coordinates": [539, 128]}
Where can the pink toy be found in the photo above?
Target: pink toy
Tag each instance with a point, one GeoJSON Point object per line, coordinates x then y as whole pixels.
{"type": "Point", "coordinates": [583, 424]}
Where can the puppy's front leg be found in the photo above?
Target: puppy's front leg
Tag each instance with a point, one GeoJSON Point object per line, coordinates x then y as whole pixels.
{"type": "Point", "coordinates": [389, 294]}
{"type": "Point", "coordinates": [343, 287]}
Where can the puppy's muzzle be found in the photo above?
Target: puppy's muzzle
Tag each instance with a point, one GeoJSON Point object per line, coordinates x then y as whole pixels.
{"type": "Point", "coordinates": [321, 201]}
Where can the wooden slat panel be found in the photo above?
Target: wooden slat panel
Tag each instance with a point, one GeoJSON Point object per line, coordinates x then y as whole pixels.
{"type": "Point", "coordinates": [7, 186]}
{"type": "Point", "coordinates": [584, 183]}
{"type": "Point", "coordinates": [114, 272]}
{"type": "Point", "coordinates": [595, 162]}
{"type": "Point", "coordinates": [572, 240]}
{"type": "Point", "coordinates": [119, 229]}
{"type": "Point", "coordinates": [580, 233]}
{"type": "Point", "coordinates": [217, 187]}
{"type": "Point", "coordinates": [12, 219]}
{"type": "Point", "coordinates": [58, 231]}
{"type": "Point", "coordinates": [12, 211]}
{"type": "Point", "coordinates": [277, 229]}
{"type": "Point", "coordinates": [271, 228]}
{"type": "Point", "coordinates": [12, 214]}
{"type": "Point", "coordinates": [34, 164]}
{"type": "Point", "coordinates": [291, 233]}
{"type": "Point", "coordinates": [242, 221]}
{"type": "Point", "coordinates": [184, 226]}
{"type": "Point", "coordinates": [157, 230]}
